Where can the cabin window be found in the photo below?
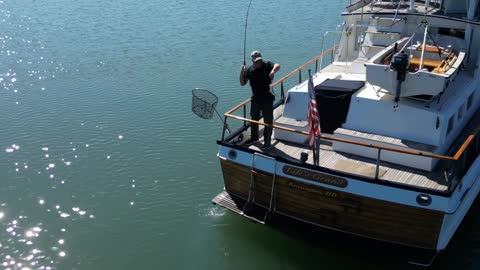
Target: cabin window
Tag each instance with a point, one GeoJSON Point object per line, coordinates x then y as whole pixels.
{"type": "Point", "coordinates": [460, 112]}
{"type": "Point", "coordinates": [451, 122]}
{"type": "Point", "coordinates": [460, 33]}
{"type": "Point", "coordinates": [469, 101]}
{"type": "Point", "coordinates": [477, 12]}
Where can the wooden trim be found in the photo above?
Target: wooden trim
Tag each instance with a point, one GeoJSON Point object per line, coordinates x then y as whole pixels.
{"type": "Point", "coordinates": [237, 107]}
{"type": "Point", "coordinates": [464, 146]}
{"type": "Point", "coordinates": [229, 112]}
{"type": "Point", "coordinates": [303, 66]}
{"type": "Point", "coordinates": [426, 62]}
{"type": "Point", "coordinates": [368, 217]}
{"type": "Point", "coordinates": [430, 49]}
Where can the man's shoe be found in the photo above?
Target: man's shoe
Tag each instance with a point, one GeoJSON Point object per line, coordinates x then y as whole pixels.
{"type": "Point", "coordinates": [250, 141]}
{"type": "Point", "coordinates": [266, 146]}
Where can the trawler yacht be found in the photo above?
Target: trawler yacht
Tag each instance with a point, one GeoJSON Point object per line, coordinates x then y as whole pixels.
{"type": "Point", "coordinates": [397, 159]}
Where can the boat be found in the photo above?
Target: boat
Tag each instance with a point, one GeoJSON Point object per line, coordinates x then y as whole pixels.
{"type": "Point", "coordinates": [399, 103]}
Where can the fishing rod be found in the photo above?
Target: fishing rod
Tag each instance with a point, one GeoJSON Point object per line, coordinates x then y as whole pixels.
{"type": "Point", "coordinates": [245, 34]}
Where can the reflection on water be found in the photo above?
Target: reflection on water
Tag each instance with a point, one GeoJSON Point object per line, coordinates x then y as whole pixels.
{"type": "Point", "coordinates": [25, 246]}
{"type": "Point", "coordinates": [42, 209]}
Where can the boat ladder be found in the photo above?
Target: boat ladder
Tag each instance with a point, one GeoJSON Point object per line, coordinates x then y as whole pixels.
{"type": "Point", "coordinates": [251, 190]}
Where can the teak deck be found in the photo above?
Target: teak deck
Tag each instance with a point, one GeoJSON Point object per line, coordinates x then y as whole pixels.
{"type": "Point", "coordinates": [362, 166]}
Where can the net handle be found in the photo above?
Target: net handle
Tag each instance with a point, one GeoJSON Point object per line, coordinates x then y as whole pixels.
{"type": "Point", "coordinates": [223, 121]}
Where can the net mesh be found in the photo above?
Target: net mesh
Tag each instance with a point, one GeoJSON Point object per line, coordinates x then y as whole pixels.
{"type": "Point", "coordinates": [203, 103]}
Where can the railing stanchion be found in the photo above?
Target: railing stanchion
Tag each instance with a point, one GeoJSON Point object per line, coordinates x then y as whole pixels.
{"type": "Point", "coordinates": [334, 45]}
{"type": "Point", "coordinates": [244, 115]}
{"type": "Point", "coordinates": [282, 93]}
{"type": "Point", "coordinates": [321, 58]}
{"type": "Point", "coordinates": [377, 167]}
{"type": "Point", "coordinates": [300, 76]}
{"type": "Point", "coordinates": [224, 127]}
{"type": "Point", "coordinates": [463, 162]}
{"type": "Point", "coordinates": [477, 144]}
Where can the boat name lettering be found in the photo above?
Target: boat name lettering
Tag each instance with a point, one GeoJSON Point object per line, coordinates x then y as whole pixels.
{"type": "Point", "coordinates": [325, 193]}
{"type": "Point", "coordinates": [318, 177]}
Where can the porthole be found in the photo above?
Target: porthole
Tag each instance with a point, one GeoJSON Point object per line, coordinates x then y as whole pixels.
{"type": "Point", "coordinates": [424, 199]}
{"type": "Point", "coordinates": [232, 154]}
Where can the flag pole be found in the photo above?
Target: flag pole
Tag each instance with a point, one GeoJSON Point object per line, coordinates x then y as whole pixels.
{"type": "Point", "coordinates": [314, 146]}
{"type": "Point", "coordinates": [314, 132]}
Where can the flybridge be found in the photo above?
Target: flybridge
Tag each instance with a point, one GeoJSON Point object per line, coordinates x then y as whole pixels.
{"type": "Point", "coordinates": [445, 7]}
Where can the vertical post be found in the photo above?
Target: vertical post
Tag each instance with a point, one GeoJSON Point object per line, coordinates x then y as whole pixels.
{"type": "Point", "coordinates": [300, 76]}
{"type": "Point", "coordinates": [377, 167]}
{"type": "Point", "coordinates": [464, 163]}
{"type": "Point", "coordinates": [224, 127]}
{"type": "Point", "coordinates": [244, 115]}
{"type": "Point", "coordinates": [282, 92]}
{"type": "Point", "coordinates": [321, 57]}
{"type": "Point", "coordinates": [477, 144]}
{"type": "Point", "coordinates": [335, 44]}
{"type": "Point", "coordinates": [361, 16]}
{"type": "Point", "coordinates": [412, 6]}
{"type": "Point", "coordinates": [316, 150]}
{"type": "Point", "coordinates": [316, 66]}
{"type": "Point", "coordinates": [424, 46]}
{"type": "Point", "coordinates": [471, 9]}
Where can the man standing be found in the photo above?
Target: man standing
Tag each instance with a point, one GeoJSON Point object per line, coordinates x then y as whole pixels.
{"type": "Point", "coordinates": [260, 74]}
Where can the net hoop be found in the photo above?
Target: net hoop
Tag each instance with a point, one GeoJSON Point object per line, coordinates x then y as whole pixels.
{"type": "Point", "coordinates": [203, 103]}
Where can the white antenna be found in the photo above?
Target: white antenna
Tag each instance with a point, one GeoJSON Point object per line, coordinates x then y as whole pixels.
{"type": "Point", "coordinates": [424, 45]}
{"type": "Point", "coordinates": [412, 6]}
{"type": "Point", "coordinates": [471, 8]}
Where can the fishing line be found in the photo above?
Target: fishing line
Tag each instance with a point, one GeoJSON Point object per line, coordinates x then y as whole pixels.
{"type": "Point", "coordinates": [245, 33]}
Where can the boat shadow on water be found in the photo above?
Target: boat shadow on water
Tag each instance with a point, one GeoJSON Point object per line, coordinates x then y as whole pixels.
{"type": "Point", "coordinates": [463, 252]}
{"type": "Point", "coordinates": [350, 250]}
{"type": "Point", "coordinates": [336, 250]}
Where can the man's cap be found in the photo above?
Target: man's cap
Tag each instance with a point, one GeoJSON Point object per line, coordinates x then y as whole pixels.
{"type": "Point", "coordinates": [256, 56]}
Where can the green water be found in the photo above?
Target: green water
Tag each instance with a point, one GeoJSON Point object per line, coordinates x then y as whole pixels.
{"type": "Point", "coordinates": [102, 163]}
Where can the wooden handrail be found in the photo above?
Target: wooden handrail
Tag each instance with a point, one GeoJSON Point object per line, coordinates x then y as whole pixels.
{"type": "Point", "coordinates": [238, 106]}
{"type": "Point", "coordinates": [303, 66]}
{"type": "Point", "coordinates": [285, 77]}
{"type": "Point", "coordinates": [464, 146]}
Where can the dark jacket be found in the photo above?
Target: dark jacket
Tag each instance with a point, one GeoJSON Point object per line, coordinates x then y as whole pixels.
{"type": "Point", "coordinates": [260, 82]}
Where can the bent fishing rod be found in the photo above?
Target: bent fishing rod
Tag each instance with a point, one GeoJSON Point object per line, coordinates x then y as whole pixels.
{"type": "Point", "coordinates": [245, 34]}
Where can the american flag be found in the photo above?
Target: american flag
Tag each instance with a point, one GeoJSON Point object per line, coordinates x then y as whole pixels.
{"type": "Point", "coordinates": [313, 115]}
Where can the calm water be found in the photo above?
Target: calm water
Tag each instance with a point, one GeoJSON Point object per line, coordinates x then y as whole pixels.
{"type": "Point", "coordinates": [102, 163]}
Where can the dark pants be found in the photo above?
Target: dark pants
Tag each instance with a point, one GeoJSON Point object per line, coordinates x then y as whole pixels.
{"type": "Point", "coordinates": [267, 111]}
